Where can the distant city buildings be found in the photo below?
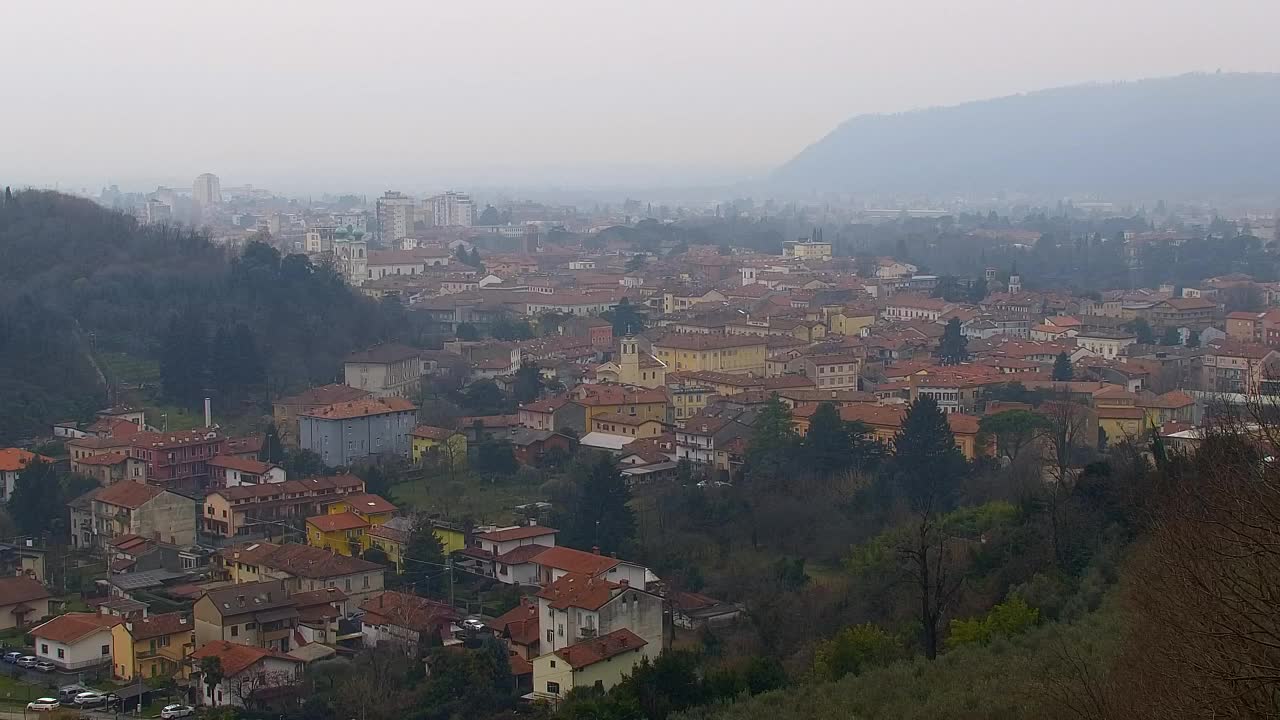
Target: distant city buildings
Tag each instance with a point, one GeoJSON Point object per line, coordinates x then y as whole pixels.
{"type": "Point", "coordinates": [452, 209]}
{"type": "Point", "coordinates": [207, 190]}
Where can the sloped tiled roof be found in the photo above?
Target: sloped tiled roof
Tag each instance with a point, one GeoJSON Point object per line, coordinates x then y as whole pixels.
{"type": "Point", "coordinates": [72, 627]}
{"type": "Point", "coordinates": [590, 652]}
{"type": "Point", "coordinates": [237, 658]}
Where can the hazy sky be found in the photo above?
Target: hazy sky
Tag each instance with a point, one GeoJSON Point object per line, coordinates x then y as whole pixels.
{"type": "Point", "coordinates": [419, 94]}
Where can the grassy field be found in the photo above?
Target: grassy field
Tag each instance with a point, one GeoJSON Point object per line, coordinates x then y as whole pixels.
{"type": "Point", "coordinates": [468, 497]}
{"type": "Point", "coordinates": [125, 369]}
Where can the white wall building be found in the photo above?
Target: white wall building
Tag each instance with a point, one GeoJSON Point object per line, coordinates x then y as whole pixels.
{"type": "Point", "coordinates": [452, 209]}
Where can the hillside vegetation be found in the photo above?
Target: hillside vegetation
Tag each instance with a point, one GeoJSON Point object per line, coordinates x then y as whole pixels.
{"type": "Point", "coordinates": [84, 290]}
{"type": "Point", "coordinates": [1188, 134]}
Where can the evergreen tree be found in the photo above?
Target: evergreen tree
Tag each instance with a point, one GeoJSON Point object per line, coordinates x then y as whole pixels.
{"type": "Point", "coordinates": [928, 468]}
{"type": "Point", "coordinates": [978, 290]}
{"type": "Point", "coordinates": [222, 366]}
{"type": "Point", "coordinates": [249, 370]}
{"type": "Point", "coordinates": [528, 383]}
{"type": "Point", "coordinates": [772, 443]}
{"type": "Point", "coordinates": [474, 260]}
{"type": "Point", "coordinates": [1193, 339]}
{"type": "Point", "coordinates": [424, 559]}
{"type": "Point", "coordinates": [37, 498]}
{"type": "Point", "coordinates": [827, 446]}
{"type": "Point", "coordinates": [184, 360]}
{"type": "Point", "coordinates": [272, 450]}
{"type": "Point", "coordinates": [601, 516]}
{"type": "Point", "coordinates": [1171, 337]}
{"type": "Point", "coordinates": [1062, 370]}
{"type": "Point", "coordinates": [953, 348]}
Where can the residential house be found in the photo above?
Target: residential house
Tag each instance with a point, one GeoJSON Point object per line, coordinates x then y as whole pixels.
{"type": "Point", "coordinates": [177, 458]}
{"type": "Point", "coordinates": [229, 471]}
{"type": "Point", "coordinates": [266, 510]}
{"type": "Point", "coordinates": [151, 647]}
{"type": "Point", "coordinates": [1104, 344]}
{"type": "Point", "coordinates": [915, 307]}
{"type": "Point", "coordinates": [518, 629]}
{"type": "Point", "coordinates": [738, 354]}
{"type": "Point", "coordinates": [248, 673]}
{"type": "Point", "coordinates": [505, 553]}
{"type": "Point", "coordinates": [75, 641]}
{"type": "Point", "coordinates": [302, 568]}
{"type": "Point", "coordinates": [577, 607]}
{"type": "Point", "coordinates": [707, 441]}
{"type": "Point", "coordinates": [109, 468]}
{"type": "Point", "coordinates": [1173, 406]}
{"type": "Point", "coordinates": [342, 528]}
{"type": "Point", "coordinates": [346, 432]}
{"type": "Point", "coordinates": [133, 508]}
{"type": "Point", "coordinates": [599, 662]}
{"type": "Point", "coordinates": [405, 621]}
{"type": "Point", "coordinates": [694, 611]}
{"type": "Point", "coordinates": [386, 371]}
{"type": "Point", "coordinates": [12, 462]}
{"type": "Point", "coordinates": [530, 447]}
{"type": "Point", "coordinates": [1194, 313]}
{"type": "Point", "coordinates": [23, 600]}
{"type": "Point", "coordinates": [645, 403]}
{"type": "Point", "coordinates": [1235, 367]}
{"type": "Point", "coordinates": [629, 425]}
{"type": "Point", "coordinates": [555, 413]}
{"type": "Point", "coordinates": [832, 372]}
{"type": "Point", "coordinates": [286, 410]}
{"type": "Point", "coordinates": [438, 445]}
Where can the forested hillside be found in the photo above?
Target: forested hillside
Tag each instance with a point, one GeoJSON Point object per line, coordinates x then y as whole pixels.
{"type": "Point", "coordinates": [78, 281]}
{"type": "Point", "coordinates": [1188, 134]}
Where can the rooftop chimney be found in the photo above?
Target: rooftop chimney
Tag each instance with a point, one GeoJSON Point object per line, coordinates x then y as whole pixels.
{"type": "Point", "coordinates": [208, 413]}
{"type": "Point", "coordinates": [595, 549]}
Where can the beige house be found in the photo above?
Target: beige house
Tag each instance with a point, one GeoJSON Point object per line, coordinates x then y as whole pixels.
{"type": "Point", "coordinates": [302, 568]}
{"type": "Point", "coordinates": [602, 661]}
{"type": "Point", "coordinates": [385, 371]}
{"type": "Point", "coordinates": [22, 601]}
{"type": "Point", "coordinates": [130, 508]}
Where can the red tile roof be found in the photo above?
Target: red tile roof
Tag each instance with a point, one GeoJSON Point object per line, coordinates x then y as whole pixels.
{"type": "Point", "coordinates": [433, 433]}
{"type": "Point", "coordinates": [590, 652]}
{"type": "Point", "coordinates": [337, 522]}
{"type": "Point", "coordinates": [575, 561]}
{"type": "Point", "coordinates": [408, 611]}
{"type": "Point", "coordinates": [368, 503]}
{"type": "Point", "coordinates": [131, 495]}
{"type": "Point", "coordinates": [107, 458]}
{"type": "Point", "coordinates": [517, 533]}
{"type": "Point", "coordinates": [15, 590]}
{"type": "Point", "coordinates": [14, 459]}
{"type": "Point", "coordinates": [159, 625]}
{"type": "Point", "coordinates": [325, 395]}
{"type": "Point", "coordinates": [580, 591]}
{"type": "Point", "coordinates": [244, 465]}
{"type": "Point", "coordinates": [237, 658]}
{"type": "Point", "coordinates": [361, 408]}
{"type": "Point", "coordinates": [72, 627]}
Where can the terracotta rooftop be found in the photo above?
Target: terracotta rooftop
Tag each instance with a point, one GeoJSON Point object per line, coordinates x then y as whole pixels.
{"type": "Point", "coordinates": [366, 407]}
{"type": "Point", "coordinates": [15, 459]}
{"type": "Point", "coordinates": [517, 533]}
{"type": "Point", "coordinates": [575, 561]}
{"type": "Point", "coordinates": [237, 658]}
{"type": "Point", "coordinates": [407, 611]}
{"type": "Point", "coordinates": [325, 395]}
{"type": "Point", "coordinates": [430, 432]}
{"type": "Point", "coordinates": [590, 652]}
{"type": "Point", "coordinates": [579, 591]}
{"type": "Point", "coordinates": [159, 625]}
{"type": "Point", "coordinates": [71, 627]}
{"type": "Point", "coordinates": [387, 353]}
{"type": "Point", "coordinates": [130, 495]}
{"type": "Point", "coordinates": [244, 465]}
{"type": "Point", "coordinates": [20, 589]}
{"type": "Point", "coordinates": [337, 522]}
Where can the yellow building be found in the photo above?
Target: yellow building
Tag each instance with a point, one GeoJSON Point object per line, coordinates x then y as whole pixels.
{"type": "Point", "coordinates": [343, 529]}
{"type": "Point", "coordinates": [627, 425]}
{"type": "Point", "coordinates": [850, 321]}
{"type": "Point", "coordinates": [720, 353]}
{"type": "Point", "coordinates": [151, 647]}
{"type": "Point", "coordinates": [601, 661]}
{"type": "Point", "coordinates": [392, 538]}
{"type": "Point", "coordinates": [439, 444]}
{"type": "Point", "coordinates": [606, 399]}
{"type": "Point", "coordinates": [806, 250]}
{"type": "Point", "coordinates": [633, 367]}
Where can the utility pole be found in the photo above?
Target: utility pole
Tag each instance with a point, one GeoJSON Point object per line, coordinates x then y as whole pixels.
{"type": "Point", "coordinates": [449, 564]}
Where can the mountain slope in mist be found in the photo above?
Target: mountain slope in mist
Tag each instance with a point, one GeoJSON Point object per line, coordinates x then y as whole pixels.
{"type": "Point", "coordinates": [1188, 134]}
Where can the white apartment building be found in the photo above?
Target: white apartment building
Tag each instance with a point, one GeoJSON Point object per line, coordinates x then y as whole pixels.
{"type": "Point", "coordinates": [395, 216]}
{"type": "Point", "coordinates": [452, 209]}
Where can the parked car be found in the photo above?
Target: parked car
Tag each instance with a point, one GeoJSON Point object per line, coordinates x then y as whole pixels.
{"type": "Point", "coordinates": [12, 657]}
{"type": "Point", "coordinates": [46, 666]}
{"type": "Point", "coordinates": [176, 711]}
{"type": "Point", "coordinates": [67, 693]}
{"type": "Point", "coordinates": [27, 661]}
{"type": "Point", "coordinates": [43, 705]}
{"type": "Point", "coordinates": [90, 698]}
{"type": "Point", "coordinates": [473, 624]}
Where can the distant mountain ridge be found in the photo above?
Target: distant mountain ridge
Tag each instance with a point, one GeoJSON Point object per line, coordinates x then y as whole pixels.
{"type": "Point", "coordinates": [1199, 133]}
